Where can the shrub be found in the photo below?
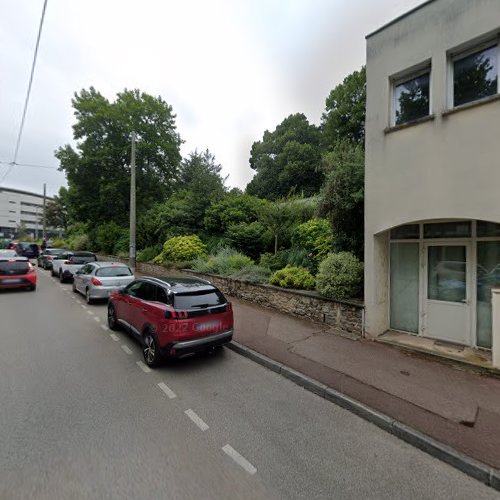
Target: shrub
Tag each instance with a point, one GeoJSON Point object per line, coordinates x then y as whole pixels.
{"type": "Point", "coordinates": [252, 272]}
{"type": "Point", "coordinates": [225, 262]}
{"type": "Point", "coordinates": [106, 236]}
{"type": "Point", "coordinates": [272, 261]}
{"type": "Point", "coordinates": [249, 238]}
{"type": "Point", "coordinates": [59, 243]}
{"type": "Point", "coordinates": [293, 277]}
{"type": "Point", "coordinates": [340, 276]}
{"type": "Point", "coordinates": [148, 254]}
{"type": "Point", "coordinates": [79, 242]}
{"type": "Point", "coordinates": [122, 244]}
{"type": "Point", "coordinates": [315, 236]}
{"type": "Point", "coordinates": [181, 248]}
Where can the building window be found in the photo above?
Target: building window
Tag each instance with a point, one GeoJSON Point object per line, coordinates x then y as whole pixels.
{"type": "Point", "coordinates": [475, 75]}
{"type": "Point", "coordinates": [408, 232]}
{"type": "Point", "coordinates": [411, 98]}
{"type": "Point", "coordinates": [439, 230]}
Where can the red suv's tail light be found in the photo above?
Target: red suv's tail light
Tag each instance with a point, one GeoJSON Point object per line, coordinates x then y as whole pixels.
{"type": "Point", "coordinates": [229, 306]}
{"type": "Point", "coordinates": [95, 282]}
{"type": "Point", "coordinates": [171, 314]}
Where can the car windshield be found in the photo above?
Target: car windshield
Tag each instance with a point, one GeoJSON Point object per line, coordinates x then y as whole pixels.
{"type": "Point", "coordinates": [55, 251]}
{"type": "Point", "coordinates": [198, 300]}
{"type": "Point", "coordinates": [82, 259]}
{"type": "Point", "coordinates": [13, 267]}
{"type": "Point", "coordinates": [113, 271]}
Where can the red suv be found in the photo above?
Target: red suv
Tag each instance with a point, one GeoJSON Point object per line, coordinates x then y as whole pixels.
{"type": "Point", "coordinates": [172, 317]}
{"type": "Point", "coordinates": [17, 272]}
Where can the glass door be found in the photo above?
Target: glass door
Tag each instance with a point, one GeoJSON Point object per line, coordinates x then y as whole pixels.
{"type": "Point", "coordinates": [447, 294]}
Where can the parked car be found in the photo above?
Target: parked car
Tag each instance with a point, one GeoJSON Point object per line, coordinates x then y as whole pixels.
{"type": "Point", "coordinates": [172, 317]}
{"type": "Point", "coordinates": [98, 280]}
{"type": "Point", "coordinates": [47, 256]}
{"type": "Point", "coordinates": [8, 253]}
{"type": "Point", "coordinates": [17, 272]}
{"type": "Point", "coordinates": [7, 245]}
{"type": "Point", "coordinates": [27, 249]}
{"type": "Point", "coordinates": [72, 262]}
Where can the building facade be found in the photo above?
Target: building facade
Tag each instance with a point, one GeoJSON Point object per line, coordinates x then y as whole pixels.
{"type": "Point", "coordinates": [20, 209]}
{"type": "Point", "coordinates": [432, 199]}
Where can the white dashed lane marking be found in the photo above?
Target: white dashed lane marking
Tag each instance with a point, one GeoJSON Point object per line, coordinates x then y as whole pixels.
{"type": "Point", "coordinates": [105, 328]}
{"type": "Point", "coordinates": [240, 460]}
{"type": "Point", "coordinates": [126, 349]}
{"type": "Point", "coordinates": [97, 319]}
{"type": "Point", "coordinates": [169, 392]}
{"type": "Point", "coordinates": [84, 306]}
{"type": "Point", "coordinates": [90, 312]}
{"type": "Point", "coordinates": [143, 367]}
{"type": "Point", "coordinates": [196, 419]}
{"type": "Point", "coordinates": [114, 337]}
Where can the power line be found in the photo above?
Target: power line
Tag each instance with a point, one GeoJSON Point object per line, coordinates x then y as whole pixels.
{"type": "Point", "coordinates": [35, 55]}
{"type": "Point", "coordinates": [31, 165]}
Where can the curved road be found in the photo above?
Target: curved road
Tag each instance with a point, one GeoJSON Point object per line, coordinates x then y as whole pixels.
{"type": "Point", "coordinates": [82, 417]}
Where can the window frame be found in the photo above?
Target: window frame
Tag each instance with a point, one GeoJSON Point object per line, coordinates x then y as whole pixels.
{"type": "Point", "coordinates": [456, 55]}
{"type": "Point", "coordinates": [406, 76]}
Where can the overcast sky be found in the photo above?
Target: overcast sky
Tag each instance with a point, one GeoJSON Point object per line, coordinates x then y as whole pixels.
{"type": "Point", "coordinates": [229, 68]}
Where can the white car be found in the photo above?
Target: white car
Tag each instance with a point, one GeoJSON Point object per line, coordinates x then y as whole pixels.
{"type": "Point", "coordinates": [72, 262]}
{"type": "Point", "coordinates": [98, 280]}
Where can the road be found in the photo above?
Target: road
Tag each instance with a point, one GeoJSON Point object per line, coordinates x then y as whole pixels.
{"type": "Point", "coordinates": [82, 417]}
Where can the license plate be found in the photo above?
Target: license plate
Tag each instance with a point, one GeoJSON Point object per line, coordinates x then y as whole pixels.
{"type": "Point", "coordinates": [206, 326]}
{"type": "Point", "coordinates": [10, 281]}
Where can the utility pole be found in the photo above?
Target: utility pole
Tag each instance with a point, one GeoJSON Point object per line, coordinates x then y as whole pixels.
{"type": "Point", "coordinates": [44, 232]}
{"type": "Point", "coordinates": [132, 248]}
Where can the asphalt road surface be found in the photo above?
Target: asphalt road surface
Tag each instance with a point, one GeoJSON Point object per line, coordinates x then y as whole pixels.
{"type": "Point", "coordinates": [82, 417]}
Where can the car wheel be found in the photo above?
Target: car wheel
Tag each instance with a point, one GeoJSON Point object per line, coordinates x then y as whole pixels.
{"type": "Point", "coordinates": [61, 277]}
{"type": "Point", "coordinates": [112, 321]}
{"type": "Point", "coordinates": [73, 287]}
{"type": "Point", "coordinates": [32, 288]}
{"type": "Point", "coordinates": [52, 273]}
{"type": "Point", "coordinates": [151, 349]}
{"type": "Point", "coordinates": [88, 298]}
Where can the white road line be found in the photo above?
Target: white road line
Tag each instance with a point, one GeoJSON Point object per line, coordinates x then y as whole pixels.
{"type": "Point", "coordinates": [90, 312]}
{"type": "Point", "coordinates": [143, 367]}
{"type": "Point", "coordinates": [114, 337]}
{"type": "Point", "coordinates": [196, 419]}
{"type": "Point", "coordinates": [241, 461]}
{"type": "Point", "coordinates": [126, 349]}
{"type": "Point", "coordinates": [97, 319]}
{"type": "Point", "coordinates": [84, 306]}
{"type": "Point", "coordinates": [169, 392]}
{"type": "Point", "coordinates": [105, 328]}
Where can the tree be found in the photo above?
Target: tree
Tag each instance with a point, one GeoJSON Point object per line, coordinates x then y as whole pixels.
{"type": "Point", "coordinates": [287, 160]}
{"type": "Point", "coordinates": [344, 116]}
{"type": "Point", "coordinates": [98, 170]}
{"type": "Point", "coordinates": [56, 210]}
{"type": "Point", "coordinates": [342, 196]}
{"type": "Point", "coordinates": [234, 208]}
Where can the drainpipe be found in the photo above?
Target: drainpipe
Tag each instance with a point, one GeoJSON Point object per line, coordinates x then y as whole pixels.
{"type": "Point", "coordinates": [495, 316]}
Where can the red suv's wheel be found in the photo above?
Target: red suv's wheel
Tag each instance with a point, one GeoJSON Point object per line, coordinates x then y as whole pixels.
{"type": "Point", "coordinates": [112, 322]}
{"type": "Point", "coordinates": [151, 349]}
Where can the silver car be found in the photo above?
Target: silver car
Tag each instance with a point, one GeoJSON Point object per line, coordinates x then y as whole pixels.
{"type": "Point", "coordinates": [98, 280]}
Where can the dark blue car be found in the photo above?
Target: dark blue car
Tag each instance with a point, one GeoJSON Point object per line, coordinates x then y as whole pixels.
{"type": "Point", "coordinates": [27, 249]}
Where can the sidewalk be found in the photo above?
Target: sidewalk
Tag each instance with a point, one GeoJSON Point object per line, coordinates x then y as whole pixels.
{"type": "Point", "coordinates": [453, 406]}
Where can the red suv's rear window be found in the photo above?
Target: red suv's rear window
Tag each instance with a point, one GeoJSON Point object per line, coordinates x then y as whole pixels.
{"type": "Point", "coordinates": [198, 300]}
{"type": "Point", "coordinates": [8, 268]}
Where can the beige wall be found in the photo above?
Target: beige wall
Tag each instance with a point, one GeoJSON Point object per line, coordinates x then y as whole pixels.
{"type": "Point", "coordinates": [448, 167]}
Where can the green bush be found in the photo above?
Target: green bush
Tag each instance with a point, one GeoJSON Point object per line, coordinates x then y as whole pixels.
{"type": "Point", "coordinates": [106, 237]}
{"type": "Point", "coordinates": [252, 272]}
{"type": "Point", "coordinates": [225, 262]}
{"type": "Point", "coordinates": [79, 242]}
{"type": "Point", "coordinates": [181, 248]}
{"type": "Point", "coordinates": [122, 244]}
{"type": "Point", "coordinates": [293, 277]}
{"type": "Point", "coordinates": [59, 243]}
{"type": "Point", "coordinates": [249, 238]}
{"type": "Point", "coordinates": [340, 276]}
{"type": "Point", "coordinates": [148, 254]}
{"type": "Point", "coordinates": [315, 236]}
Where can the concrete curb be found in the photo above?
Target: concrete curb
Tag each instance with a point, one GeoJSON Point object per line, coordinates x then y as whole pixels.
{"type": "Point", "coordinates": [443, 452]}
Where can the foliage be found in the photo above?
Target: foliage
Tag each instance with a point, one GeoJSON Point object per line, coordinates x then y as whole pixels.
{"type": "Point", "coordinates": [59, 243]}
{"type": "Point", "coordinates": [293, 277]}
{"type": "Point", "coordinates": [342, 196]}
{"type": "Point", "coordinates": [98, 170]}
{"type": "Point", "coordinates": [234, 208]}
{"type": "Point", "coordinates": [181, 248]}
{"type": "Point", "coordinates": [272, 261]}
{"type": "Point", "coordinates": [56, 210]}
{"type": "Point", "coordinates": [107, 235]}
{"type": "Point", "coordinates": [315, 237]}
{"type": "Point", "coordinates": [345, 113]}
{"type": "Point", "coordinates": [287, 160]}
{"type": "Point", "coordinates": [340, 276]}
{"type": "Point", "coordinates": [79, 242]}
{"type": "Point", "coordinates": [278, 217]}
{"type": "Point", "coordinates": [253, 273]}
{"type": "Point", "coordinates": [251, 239]}
{"type": "Point", "coordinates": [122, 244]}
{"type": "Point", "coordinates": [225, 262]}
{"type": "Point", "coordinates": [148, 254]}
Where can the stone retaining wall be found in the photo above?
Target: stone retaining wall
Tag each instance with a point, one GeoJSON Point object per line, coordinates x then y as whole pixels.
{"type": "Point", "coordinates": [345, 315]}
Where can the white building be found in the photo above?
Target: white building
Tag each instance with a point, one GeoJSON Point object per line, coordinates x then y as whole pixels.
{"type": "Point", "coordinates": [432, 223]}
{"type": "Point", "coordinates": [18, 209]}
